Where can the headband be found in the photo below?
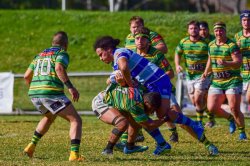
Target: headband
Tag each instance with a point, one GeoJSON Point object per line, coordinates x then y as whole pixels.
{"type": "Point", "coordinates": [223, 26]}
{"type": "Point", "coordinates": [142, 35]}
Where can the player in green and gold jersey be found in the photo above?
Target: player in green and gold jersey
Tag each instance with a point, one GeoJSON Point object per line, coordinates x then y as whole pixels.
{"type": "Point", "coordinates": [194, 50]}
{"type": "Point", "coordinates": [156, 39]}
{"type": "Point", "coordinates": [46, 77]}
{"type": "Point", "coordinates": [204, 33]}
{"type": "Point", "coordinates": [224, 62]}
{"type": "Point", "coordinates": [242, 39]}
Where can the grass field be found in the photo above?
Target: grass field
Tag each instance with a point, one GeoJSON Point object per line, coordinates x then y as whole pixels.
{"type": "Point", "coordinates": [53, 149]}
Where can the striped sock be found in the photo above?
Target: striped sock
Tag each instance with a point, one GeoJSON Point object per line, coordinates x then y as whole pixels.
{"type": "Point", "coordinates": [124, 137]}
{"type": "Point", "coordinates": [210, 115]}
{"type": "Point", "coordinates": [36, 137]}
{"type": "Point", "coordinates": [230, 118]}
{"type": "Point", "coordinates": [182, 119]}
{"type": "Point", "coordinates": [241, 129]}
{"type": "Point", "coordinates": [199, 115]}
{"type": "Point", "coordinates": [75, 145]}
{"type": "Point", "coordinates": [205, 141]}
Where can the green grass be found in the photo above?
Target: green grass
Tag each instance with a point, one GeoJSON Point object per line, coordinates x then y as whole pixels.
{"type": "Point", "coordinates": [53, 149]}
{"type": "Point", "coordinates": [24, 33]}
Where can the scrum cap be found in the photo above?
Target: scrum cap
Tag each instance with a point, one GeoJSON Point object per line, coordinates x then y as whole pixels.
{"type": "Point", "coordinates": [245, 13]}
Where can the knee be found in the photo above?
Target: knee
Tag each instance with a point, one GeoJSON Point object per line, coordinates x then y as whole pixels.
{"type": "Point", "coordinates": [121, 123]}
{"type": "Point", "coordinates": [78, 120]}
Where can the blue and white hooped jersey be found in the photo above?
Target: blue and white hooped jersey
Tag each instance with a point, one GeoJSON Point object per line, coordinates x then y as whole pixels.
{"type": "Point", "coordinates": [141, 69]}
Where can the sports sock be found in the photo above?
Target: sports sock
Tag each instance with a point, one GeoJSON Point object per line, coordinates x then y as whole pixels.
{"type": "Point", "coordinates": [199, 115]}
{"type": "Point", "coordinates": [210, 115]}
{"type": "Point", "coordinates": [182, 119]}
{"type": "Point", "coordinates": [205, 141]}
{"type": "Point", "coordinates": [130, 145]}
{"type": "Point", "coordinates": [173, 130]}
{"type": "Point", "coordinates": [241, 129]}
{"type": "Point", "coordinates": [36, 137]}
{"type": "Point", "coordinates": [124, 137]}
{"type": "Point", "coordinates": [110, 145]}
{"type": "Point", "coordinates": [230, 118]}
{"type": "Point", "coordinates": [75, 145]}
{"type": "Point", "coordinates": [157, 136]}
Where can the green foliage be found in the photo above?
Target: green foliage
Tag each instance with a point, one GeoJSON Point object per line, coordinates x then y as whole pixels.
{"type": "Point", "coordinates": [53, 149]}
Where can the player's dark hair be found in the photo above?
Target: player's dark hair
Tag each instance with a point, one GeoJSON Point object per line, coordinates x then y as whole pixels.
{"type": "Point", "coordinates": [60, 38]}
{"type": "Point", "coordinates": [153, 98]}
{"type": "Point", "coordinates": [142, 30]}
{"type": "Point", "coordinates": [106, 42]}
{"type": "Point", "coordinates": [137, 19]}
{"type": "Point", "coordinates": [193, 22]}
{"type": "Point", "coordinates": [204, 24]}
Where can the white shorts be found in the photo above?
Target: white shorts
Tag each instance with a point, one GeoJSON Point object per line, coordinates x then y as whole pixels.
{"type": "Point", "coordinates": [98, 106]}
{"type": "Point", "coordinates": [53, 105]}
{"type": "Point", "coordinates": [198, 84]}
{"type": "Point", "coordinates": [245, 87]}
{"type": "Point", "coordinates": [231, 91]}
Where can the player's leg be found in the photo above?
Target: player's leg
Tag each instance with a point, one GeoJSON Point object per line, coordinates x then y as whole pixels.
{"type": "Point", "coordinates": [120, 123]}
{"type": "Point", "coordinates": [75, 132]}
{"type": "Point", "coordinates": [133, 129]}
{"type": "Point", "coordinates": [215, 99]}
{"type": "Point", "coordinates": [110, 116]}
{"type": "Point", "coordinates": [247, 93]}
{"type": "Point", "coordinates": [234, 104]}
{"type": "Point", "coordinates": [42, 127]}
{"type": "Point", "coordinates": [171, 126]}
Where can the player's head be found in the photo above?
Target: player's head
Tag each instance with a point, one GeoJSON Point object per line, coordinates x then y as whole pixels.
{"type": "Point", "coordinates": [204, 29]}
{"type": "Point", "coordinates": [152, 102]}
{"type": "Point", "coordinates": [193, 28]}
{"type": "Point", "coordinates": [220, 30]}
{"type": "Point", "coordinates": [142, 40]}
{"type": "Point", "coordinates": [104, 47]}
{"type": "Point", "coordinates": [135, 22]}
{"type": "Point", "coordinates": [60, 38]}
{"type": "Point", "coordinates": [245, 19]}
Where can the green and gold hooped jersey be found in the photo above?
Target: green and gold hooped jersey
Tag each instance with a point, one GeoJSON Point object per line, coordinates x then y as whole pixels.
{"type": "Point", "coordinates": [155, 39]}
{"type": "Point", "coordinates": [224, 77]}
{"type": "Point", "coordinates": [195, 55]}
{"type": "Point", "coordinates": [45, 82]}
{"type": "Point", "coordinates": [244, 44]}
{"type": "Point", "coordinates": [126, 99]}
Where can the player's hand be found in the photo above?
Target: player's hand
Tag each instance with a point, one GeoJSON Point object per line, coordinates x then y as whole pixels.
{"type": "Point", "coordinates": [220, 62]}
{"type": "Point", "coordinates": [204, 76]}
{"type": "Point", "coordinates": [178, 69]}
{"type": "Point", "coordinates": [120, 79]}
{"type": "Point", "coordinates": [74, 94]}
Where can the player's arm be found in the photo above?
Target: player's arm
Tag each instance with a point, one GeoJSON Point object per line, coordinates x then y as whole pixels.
{"type": "Point", "coordinates": [236, 60]}
{"type": "Point", "coordinates": [177, 59]}
{"type": "Point", "coordinates": [207, 69]}
{"type": "Point", "coordinates": [152, 124]}
{"type": "Point", "coordinates": [123, 67]}
{"type": "Point", "coordinates": [63, 76]}
{"type": "Point", "coordinates": [165, 65]}
{"type": "Point", "coordinates": [162, 47]}
{"type": "Point", "coordinates": [28, 76]}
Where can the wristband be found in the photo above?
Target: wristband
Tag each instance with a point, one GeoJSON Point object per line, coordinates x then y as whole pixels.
{"type": "Point", "coordinates": [68, 84]}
